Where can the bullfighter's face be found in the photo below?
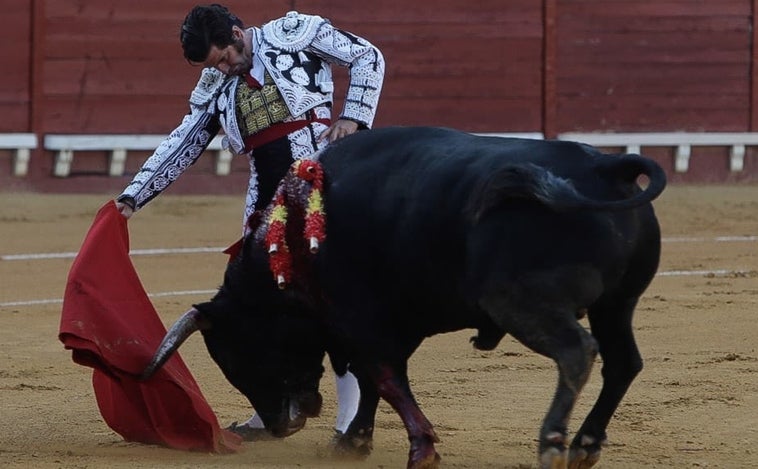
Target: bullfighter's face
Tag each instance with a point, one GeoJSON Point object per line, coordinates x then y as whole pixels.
{"type": "Point", "coordinates": [234, 59]}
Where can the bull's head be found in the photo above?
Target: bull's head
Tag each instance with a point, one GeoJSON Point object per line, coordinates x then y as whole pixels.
{"type": "Point", "coordinates": [266, 342]}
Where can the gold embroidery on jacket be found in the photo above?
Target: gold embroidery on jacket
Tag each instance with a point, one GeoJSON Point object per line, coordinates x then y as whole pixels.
{"type": "Point", "coordinates": [257, 109]}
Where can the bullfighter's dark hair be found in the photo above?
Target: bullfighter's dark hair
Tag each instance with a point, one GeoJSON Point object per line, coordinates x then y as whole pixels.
{"type": "Point", "coordinates": [206, 26]}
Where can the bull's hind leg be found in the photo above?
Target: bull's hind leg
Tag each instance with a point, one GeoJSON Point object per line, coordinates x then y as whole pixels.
{"type": "Point", "coordinates": [554, 333]}
{"type": "Point", "coordinates": [612, 328]}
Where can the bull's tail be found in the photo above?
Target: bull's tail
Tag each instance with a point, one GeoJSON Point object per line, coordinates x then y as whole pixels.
{"type": "Point", "coordinates": [527, 181]}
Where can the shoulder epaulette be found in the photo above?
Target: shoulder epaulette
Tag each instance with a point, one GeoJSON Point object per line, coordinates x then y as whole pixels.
{"type": "Point", "coordinates": [293, 32]}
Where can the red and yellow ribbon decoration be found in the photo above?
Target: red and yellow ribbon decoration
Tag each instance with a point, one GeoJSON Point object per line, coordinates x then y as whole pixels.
{"type": "Point", "coordinates": [280, 257]}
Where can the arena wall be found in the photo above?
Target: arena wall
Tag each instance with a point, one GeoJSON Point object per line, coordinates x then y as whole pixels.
{"type": "Point", "coordinates": [547, 67]}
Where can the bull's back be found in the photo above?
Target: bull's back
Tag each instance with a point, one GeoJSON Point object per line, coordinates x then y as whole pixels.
{"type": "Point", "coordinates": [403, 192]}
{"type": "Point", "coordinates": [398, 205]}
{"type": "Point", "coordinates": [402, 183]}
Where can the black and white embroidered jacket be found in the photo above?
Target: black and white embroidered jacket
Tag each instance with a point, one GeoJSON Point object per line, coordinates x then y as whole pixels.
{"type": "Point", "coordinates": [297, 50]}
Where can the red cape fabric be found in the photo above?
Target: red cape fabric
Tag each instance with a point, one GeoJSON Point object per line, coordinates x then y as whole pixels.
{"type": "Point", "coordinates": [111, 325]}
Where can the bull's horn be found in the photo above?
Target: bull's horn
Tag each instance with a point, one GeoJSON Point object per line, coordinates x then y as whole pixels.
{"type": "Point", "coordinates": [190, 322]}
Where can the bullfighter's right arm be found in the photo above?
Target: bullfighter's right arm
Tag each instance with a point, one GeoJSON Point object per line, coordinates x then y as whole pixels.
{"type": "Point", "coordinates": [183, 146]}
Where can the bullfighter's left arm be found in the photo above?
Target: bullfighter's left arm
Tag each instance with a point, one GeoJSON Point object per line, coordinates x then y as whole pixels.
{"type": "Point", "coordinates": [366, 64]}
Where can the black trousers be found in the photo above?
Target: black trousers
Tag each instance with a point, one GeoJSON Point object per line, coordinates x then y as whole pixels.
{"type": "Point", "coordinates": [272, 161]}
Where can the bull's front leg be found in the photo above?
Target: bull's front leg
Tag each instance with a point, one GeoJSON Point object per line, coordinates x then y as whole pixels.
{"type": "Point", "coordinates": [357, 440]}
{"type": "Point", "coordinates": [392, 386]}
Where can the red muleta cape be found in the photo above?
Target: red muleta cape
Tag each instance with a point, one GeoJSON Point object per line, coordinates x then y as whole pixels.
{"type": "Point", "coordinates": [111, 325]}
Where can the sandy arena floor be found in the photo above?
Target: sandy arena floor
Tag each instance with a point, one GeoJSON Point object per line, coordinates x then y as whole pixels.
{"type": "Point", "coordinates": [694, 405]}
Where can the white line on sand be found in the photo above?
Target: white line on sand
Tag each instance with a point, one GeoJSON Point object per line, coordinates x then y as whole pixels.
{"type": "Point", "coordinates": [668, 273]}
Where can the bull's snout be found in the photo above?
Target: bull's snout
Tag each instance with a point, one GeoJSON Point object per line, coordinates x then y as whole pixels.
{"type": "Point", "coordinates": [288, 427]}
{"type": "Point", "coordinates": [295, 412]}
{"type": "Point", "coordinates": [309, 404]}
{"type": "Point", "coordinates": [287, 423]}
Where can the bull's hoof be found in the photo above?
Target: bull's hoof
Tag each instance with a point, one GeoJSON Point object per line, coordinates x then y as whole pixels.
{"type": "Point", "coordinates": [553, 458]}
{"type": "Point", "coordinates": [427, 460]}
{"type": "Point", "coordinates": [584, 452]}
{"type": "Point", "coordinates": [580, 458]}
{"type": "Point", "coordinates": [251, 433]}
{"type": "Point", "coordinates": [351, 447]}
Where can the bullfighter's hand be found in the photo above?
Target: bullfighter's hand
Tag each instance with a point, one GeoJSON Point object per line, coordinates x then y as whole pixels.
{"type": "Point", "coordinates": [124, 209]}
{"type": "Point", "coordinates": [339, 129]}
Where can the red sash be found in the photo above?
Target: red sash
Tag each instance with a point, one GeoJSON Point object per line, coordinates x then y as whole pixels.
{"type": "Point", "coordinates": [279, 130]}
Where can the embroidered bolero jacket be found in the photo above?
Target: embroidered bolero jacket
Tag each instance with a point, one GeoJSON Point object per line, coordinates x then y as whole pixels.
{"type": "Point", "coordinates": [297, 50]}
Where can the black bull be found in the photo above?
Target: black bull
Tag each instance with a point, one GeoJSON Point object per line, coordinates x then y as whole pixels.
{"type": "Point", "coordinates": [430, 231]}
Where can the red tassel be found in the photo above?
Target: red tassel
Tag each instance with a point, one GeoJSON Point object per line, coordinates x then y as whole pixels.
{"type": "Point", "coordinates": [280, 257]}
{"type": "Point", "coordinates": [279, 254]}
{"type": "Point", "coordinates": [315, 222]}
